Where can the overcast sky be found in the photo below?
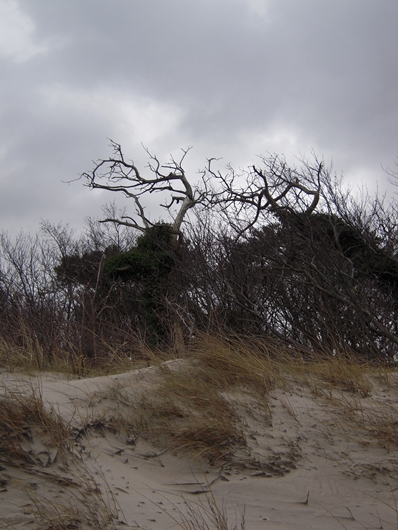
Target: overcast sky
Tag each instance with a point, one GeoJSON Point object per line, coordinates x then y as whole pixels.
{"type": "Point", "coordinates": [232, 78]}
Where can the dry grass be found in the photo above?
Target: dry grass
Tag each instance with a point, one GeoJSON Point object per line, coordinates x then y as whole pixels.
{"type": "Point", "coordinates": [13, 357]}
{"type": "Point", "coordinates": [261, 365]}
{"type": "Point", "coordinates": [208, 515]}
{"type": "Point", "coordinates": [35, 442]}
{"type": "Point", "coordinates": [21, 419]}
{"type": "Point", "coordinates": [192, 407]}
{"type": "Point", "coordinates": [236, 363]}
{"type": "Point", "coordinates": [29, 356]}
{"type": "Point", "coordinates": [188, 415]}
{"type": "Point", "coordinates": [372, 420]}
{"type": "Point", "coordinates": [338, 374]}
{"type": "Point", "coordinates": [345, 384]}
{"type": "Point", "coordinates": [195, 404]}
{"type": "Point", "coordinates": [79, 506]}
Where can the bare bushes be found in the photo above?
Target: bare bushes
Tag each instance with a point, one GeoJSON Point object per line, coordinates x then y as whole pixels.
{"type": "Point", "coordinates": [295, 256]}
{"type": "Point", "coordinates": [276, 252]}
{"type": "Point", "coordinates": [56, 306]}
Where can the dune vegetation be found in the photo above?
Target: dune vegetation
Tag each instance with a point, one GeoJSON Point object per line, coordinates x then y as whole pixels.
{"type": "Point", "coordinates": [231, 407]}
{"type": "Point", "coordinates": [251, 335]}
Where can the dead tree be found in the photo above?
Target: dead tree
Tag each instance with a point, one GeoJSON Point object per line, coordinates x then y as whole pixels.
{"type": "Point", "coordinates": [118, 175]}
{"type": "Point", "coordinates": [277, 189]}
{"type": "Point", "coordinates": [153, 263]}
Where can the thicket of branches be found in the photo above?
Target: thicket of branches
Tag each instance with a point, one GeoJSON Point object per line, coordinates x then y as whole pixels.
{"type": "Point", "coordinates": [273, 251]}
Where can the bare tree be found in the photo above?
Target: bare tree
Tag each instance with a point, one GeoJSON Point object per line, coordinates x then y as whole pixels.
{"type": "Point", "coordinates": [152, 264]}
{"type": "Point", "coordinates": [251, 196]}
{"type": "Point", "coordinates": [118, 175]}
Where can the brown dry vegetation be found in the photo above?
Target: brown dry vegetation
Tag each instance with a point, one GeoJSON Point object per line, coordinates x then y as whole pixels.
{"type": "Point", "coordinates": [23, 417]}
{"type": "Point", "coordinates": [199, 405]}
{"type": "Point", "coordinates": [38, 456]}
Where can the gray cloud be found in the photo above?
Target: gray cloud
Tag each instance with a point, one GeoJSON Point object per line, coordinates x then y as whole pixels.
{"type": "Point", "coordinates": [233, 78]}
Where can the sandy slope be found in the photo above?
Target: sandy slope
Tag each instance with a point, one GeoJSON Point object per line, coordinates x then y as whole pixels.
{"type": "Point", "coordinates": [305, 466]}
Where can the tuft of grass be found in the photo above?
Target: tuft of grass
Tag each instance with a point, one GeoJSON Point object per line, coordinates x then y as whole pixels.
{"type": "Point", "coordinates": [21, 418]}
{"type": "Point", "coordinates": [208, 515]}
{"type": "Point", "coordinates": [80, 506]}
{"type": "Point", "coordinates": [33, 437]}
{"type": "Point", "coordinates": [379, 420]}
{"type": "Point", "coordinates": [187, 414]}
{"type": "Point", "coordinates": [342, 374]}
{"type": "Point", "coordinates": [28, 355]}
{"type": "Point", "coordinates": [13, 357]}
{"type": "Point", "coordinates": [194, 406]}
{"type": "Point", "coordinates": [235, 363]}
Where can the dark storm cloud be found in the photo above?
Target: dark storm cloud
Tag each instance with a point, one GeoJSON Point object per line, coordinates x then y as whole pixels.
{"type": "Point", "coordinates": [234, 78]}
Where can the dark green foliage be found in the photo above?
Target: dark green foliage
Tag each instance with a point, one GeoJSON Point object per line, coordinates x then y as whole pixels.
{"type": "Point", "coordinates": [149, 265]}
{"type": "Point", "coordinates": [132, 265]}
{"type": "Point", "coordinates": [157, 237]}
{"type": "Point", "coordinates": [82, 268]}
{"type": "Point", "coordinates": [113, 282]}
{"type": "Point", "coordinates": [368, 257]}
{"type": "Point", "coordinates": [78, 268]}
{"type": "Point", "coordinates": [151, 260]}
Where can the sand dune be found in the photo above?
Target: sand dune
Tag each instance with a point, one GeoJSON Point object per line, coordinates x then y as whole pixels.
{"type": "Point", "coordinates": [307, 461]}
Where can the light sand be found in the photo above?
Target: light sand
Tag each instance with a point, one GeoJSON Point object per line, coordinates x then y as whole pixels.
{"type": "Point", "coordinates": [305, 466]}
